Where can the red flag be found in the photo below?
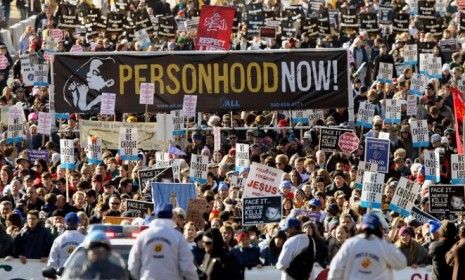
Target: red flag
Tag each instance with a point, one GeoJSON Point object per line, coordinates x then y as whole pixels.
{"type": "Point", "coordinates": [214, 30]}
{"type": "Point", "coordinates": [459, 113]}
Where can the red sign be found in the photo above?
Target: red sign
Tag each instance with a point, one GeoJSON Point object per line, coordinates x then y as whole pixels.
{"type": "Point", "coordinates": [3, 62]}
{"type": "Point", "coordinates": [214, 30]}
{"type": "Point", "coordinates": [348, 142]}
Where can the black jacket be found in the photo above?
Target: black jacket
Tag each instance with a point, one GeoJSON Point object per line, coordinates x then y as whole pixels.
{"type": "Point", "coordinates": [33, 243]}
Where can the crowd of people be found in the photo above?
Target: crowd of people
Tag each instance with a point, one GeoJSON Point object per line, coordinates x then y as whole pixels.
{"type": "Point", "coordinates": [321, 205]}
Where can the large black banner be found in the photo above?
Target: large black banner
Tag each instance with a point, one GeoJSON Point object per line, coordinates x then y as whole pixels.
{"type": "Point", "coordinates": [223, 81]}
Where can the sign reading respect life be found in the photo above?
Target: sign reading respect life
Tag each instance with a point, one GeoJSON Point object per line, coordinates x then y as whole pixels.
{"type": "Point", "coordinates": [263, 180]}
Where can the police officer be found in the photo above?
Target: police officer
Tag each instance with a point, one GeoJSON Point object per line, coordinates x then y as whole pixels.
{"type": "Point", "coordinates": [161, 252]}
{"type": "Point", "coordinates": [64, 245]}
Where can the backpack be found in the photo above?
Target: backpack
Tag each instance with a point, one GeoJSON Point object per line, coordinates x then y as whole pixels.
{"type": "Point", "coordinates": [301, 266]}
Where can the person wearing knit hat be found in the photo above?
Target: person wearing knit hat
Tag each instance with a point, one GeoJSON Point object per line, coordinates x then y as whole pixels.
{"type": "Point", "coordinates": [414, 252]}
{"type": "Point", "coordinates": [247, 256]}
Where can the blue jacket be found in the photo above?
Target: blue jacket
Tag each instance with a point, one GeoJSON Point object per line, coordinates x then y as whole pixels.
{"type": "Point", "coordinates": [35, 243]}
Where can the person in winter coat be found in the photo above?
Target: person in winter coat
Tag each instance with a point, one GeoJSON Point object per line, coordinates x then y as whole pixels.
{"type": "Point", "coordinates": [456, 256]}
{"type": "Point", "coordinates": [367, 255]}
{"type": "Point", "coordinates": [6, 244]}
{"type": "Point", "coordinates": [34, 240]}
{"type": "Point", "coordinates": [65, 244]}
{"type": "Point", "coordinates": [161, 251]}
{"type": "Point", "coordinates": [439, 248]}
{"type": "Point", "coordinates": [416, 254]}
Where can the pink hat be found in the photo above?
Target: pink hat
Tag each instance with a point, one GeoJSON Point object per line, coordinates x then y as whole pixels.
{"type": "Point", "coordinates": [32, 117]}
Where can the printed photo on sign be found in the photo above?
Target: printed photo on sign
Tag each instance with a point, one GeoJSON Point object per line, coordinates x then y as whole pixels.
{"type": "Point", "coordinates": [261, 210]}
{"type": "Point", "coordinates": [446, 198]}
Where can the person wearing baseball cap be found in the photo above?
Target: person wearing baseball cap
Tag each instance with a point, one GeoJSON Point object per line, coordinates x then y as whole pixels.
{"type": "Point", "coordinates": [367, 254]}
{"type": "Point", "coordinates": [66, 242]}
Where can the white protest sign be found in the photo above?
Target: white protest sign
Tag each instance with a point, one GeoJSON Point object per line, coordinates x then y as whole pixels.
{"type": "Point", "coordinates": [67, 153]}
{"type": "Point", "coordinates": [418, 84]}
{"type": "Point", "coordinates": [147, 91]}
{"type": "Point", "coordinates": [424, 61]}
{"type": "Point", "coordinates": [217, 138]}
{"type": "Point", "coordinates": [40, 74]}
{"type": "Point", "coordinates": [143, 38]}
{"type": "Point", "coordinates": [263, 180]}
{"type": "Point", "coordinates": [420, 135]}
{"type": "Point", "coordinates": [179, 122]}
{"type": "Point", "coordinates": [242, 156]}
{"type": "Point", "coordinates": [435, 67]}
{"type": "Point", "coordinates": [300, 116]}
{"type": "Point", "coordinates": [176, 167]}
{"type": "Point", "coordinates": [412, 105]}
{"type": "Point", "coordinates": [15, 130]}
{"type": "Point", "coordinates": [383, 135]}
{"type": "Point", "coordinates": [404, 197]}
{"type": "Point", "coordinates": [107, 105]}
{"type": "Point", "coordinates": [44, 125]}
{"type": "Point", "coordinates": [189, 105]}
{"type": "Point", "coordinates": [128, 143]}
{"type": "Point", "coordinates": [410, 54]}
{"type": "Point", "coordinates": [366, 112]}
{"type": "Point", "coordinates": [385, 72]}
{"type": "Point", "coordinates": [372, 190]}
{"type": "Point", "coordinates": [94, 150]}
{"type": "Point", "coordinates": [393, 111]}
{"type": "Point", "coordinates": [162, 160]}
{"type": "Point", "coordinates": [432, 166]}
{"type": "Point", "coordinates": [457, 169]}
{"type": "Point", "coordinates": [362, 167]}
{"type": "Point", "coordinates": [198, 168]}
{"type": "Point", "coordinates": [27, 71]}
{"type": "Point", "coordinates": [315, 115]}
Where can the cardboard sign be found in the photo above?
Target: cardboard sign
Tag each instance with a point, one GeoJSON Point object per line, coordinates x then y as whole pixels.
{"type": "Point", "coordinates": [261, 210]}
{"type": "Point", "coordinates": [34, 155]}
{"type": "Point", "coordinates": [420, 134]}
{"type": "Point", "coordinates": [393, 111]}
{"type": "Point", "coordinates": [362, 167]}
{"type": "Point", "coordinates": [457, 169]}
{"type": "Point", "coordinates": [242, 156]}
{"type": "Point", "coordinates": [94, 150]}
{"type": "Point", "coordinates": [372, 190]}
{"type": "Point", "coordinates": [446, 198]}
{"type": "Point", "coordinates": [147, 92]}
{"type": "Point", "coordinates": [432, 166]}
{"type": "Point", "coordinates": [195, 212]}
{"type": "Point", "coordinates": [404, 197]}
{"type": "Point", "coordinates": [15, 122]}
{"type": "Point", "coordinates": [44, 123]}
{"type": "Point", "coordinates": [141, 207]}
{"type": "Point", "coordinates": [366, 112]}
{"type": "Point", "coordinates": [385, 72]}
{"type": "Point", "coordinates": [189, 105]}
{"type": "Point", "coordinates": [128, 143]}
{"type": "Point", "coordinates": [412, 105]}
{"type": "Point", "coordinates": [410, 54]}
{"type": "Point", "coordinates": [329, 138]}
{"type": "Point", "coordinates": [67, 153]}
{"type": "Point", "coordinates": [263, 180]}
{"type": "Point", "coordinates": [198, 168]}
{"type": "Point", "coordinates": [377, 151]}
{"type": "Point", "coordinates": [107, 106]}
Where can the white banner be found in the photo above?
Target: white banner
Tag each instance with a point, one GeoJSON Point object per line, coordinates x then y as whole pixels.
{"type": "Point", "coordinates": [263, 180]}
{"type": "Point", "coordinates": [14, 269]}
{"type": "Point", "coordinates": [242, 156]}
{"type": "Point", "coordinates": [372, 190]}
{"type": "Point", "coordinates": [107, 105]}
{"type": "Point", "coordinates": [128, 143]}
